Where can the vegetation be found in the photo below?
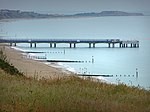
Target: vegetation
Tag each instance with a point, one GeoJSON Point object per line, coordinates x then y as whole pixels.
{"type": "Point", "coordinates": [9, 68]}
{"type": "Point", "coordinates": [69, 94]}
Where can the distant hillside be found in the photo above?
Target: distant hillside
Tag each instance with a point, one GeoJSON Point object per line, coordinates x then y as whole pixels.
{"type": "Point", "coordinates": [14, 14]}
{"type": "Point", "coordinates": [109, 13]}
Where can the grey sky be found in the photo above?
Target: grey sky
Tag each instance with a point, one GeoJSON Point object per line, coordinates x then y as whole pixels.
{"type": "Point", "coordinates": [73, 6]}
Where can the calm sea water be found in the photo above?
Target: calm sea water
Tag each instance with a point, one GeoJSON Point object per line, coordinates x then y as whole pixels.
{"type": "Point", "coordinates": [119, 62]}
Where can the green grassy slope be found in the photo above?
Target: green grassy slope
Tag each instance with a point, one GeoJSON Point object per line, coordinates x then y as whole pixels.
{"type": "Point", "coordinates": [22, 94]}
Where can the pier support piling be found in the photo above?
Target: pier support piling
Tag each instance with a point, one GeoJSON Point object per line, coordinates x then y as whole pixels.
{"type": "Point", "coordinates": [35, 45]}
{"type": "Point", "coordinates": [50, 44]}
{"type": "Point", "coordinates": [123, 45]}
{"type": "Point", "coordinates": [70, 45]}
{"type": "Point", "coordinates": [113, 45]}
{"type": "Point", "coordinates": [93, 45]}
{"type": "Point", "coordinates": [74, 45]}
{"type": "Point", "coordinates": [10, 44]}
{"type": "Point", "coordinates": [30, 45]}
{"type": "Point", "coordinates": [134, 45]}
{"type": "Point", "coordinates": [54, 45]}
{"type": "Point", "coordinates": [120, 45]}
{"type": "Point", "coordinates": [89, 45]}
{"type": "Point", "coordinates": [109, 45]}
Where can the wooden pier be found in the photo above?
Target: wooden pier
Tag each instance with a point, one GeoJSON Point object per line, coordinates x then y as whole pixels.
{"type": "Point", "coordinates": [73, 42]}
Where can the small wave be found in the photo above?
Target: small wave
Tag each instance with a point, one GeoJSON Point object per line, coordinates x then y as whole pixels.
{"type": "Point", "coordinates": [71, 69]}
{"type": "Point", "coordinates": [65, 68]}
{"type": "Point", "coordinates": [18, 49]}
{"type": "Point", "coordinates": [103, 79]}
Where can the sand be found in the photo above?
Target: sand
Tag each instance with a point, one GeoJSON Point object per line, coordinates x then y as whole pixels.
{"type": "Point", "coordinates": [31, 68]}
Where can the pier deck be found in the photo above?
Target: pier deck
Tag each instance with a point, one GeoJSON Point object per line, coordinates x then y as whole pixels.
{"type": "Point", "coordinates": [91, 42]}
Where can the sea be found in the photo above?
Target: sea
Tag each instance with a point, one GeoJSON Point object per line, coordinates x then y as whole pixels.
{"type": "Point", "coordinates": [130, 66]}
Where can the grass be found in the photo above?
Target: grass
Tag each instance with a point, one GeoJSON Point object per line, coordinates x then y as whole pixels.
{"type": "Point", "coordinates": [22, 94]}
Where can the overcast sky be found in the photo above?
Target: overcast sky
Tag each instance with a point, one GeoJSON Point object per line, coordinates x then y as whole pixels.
{"type": "Point", "coordinates": [74, 6]}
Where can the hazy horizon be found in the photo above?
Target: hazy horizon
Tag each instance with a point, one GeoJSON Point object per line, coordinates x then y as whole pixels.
{"type": "Point", "coordinates": [78, 6]}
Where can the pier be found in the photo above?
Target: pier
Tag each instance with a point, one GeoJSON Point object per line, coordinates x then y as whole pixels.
{"type": "Point", "coordinates": [73, 42]}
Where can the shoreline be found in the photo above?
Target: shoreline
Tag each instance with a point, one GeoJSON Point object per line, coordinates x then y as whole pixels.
{"type": "Point", "coordinates": [40, 70]}
{"type": "Point", "coordinates": [57, 65]}
{"type": "Point", "coordinates": [32, 68]}
{"type": "Point", "coordinates": [75, 17]}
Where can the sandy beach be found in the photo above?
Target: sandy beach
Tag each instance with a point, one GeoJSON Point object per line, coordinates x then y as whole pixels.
{"type": "Point", "coordinates": [31, 68]}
